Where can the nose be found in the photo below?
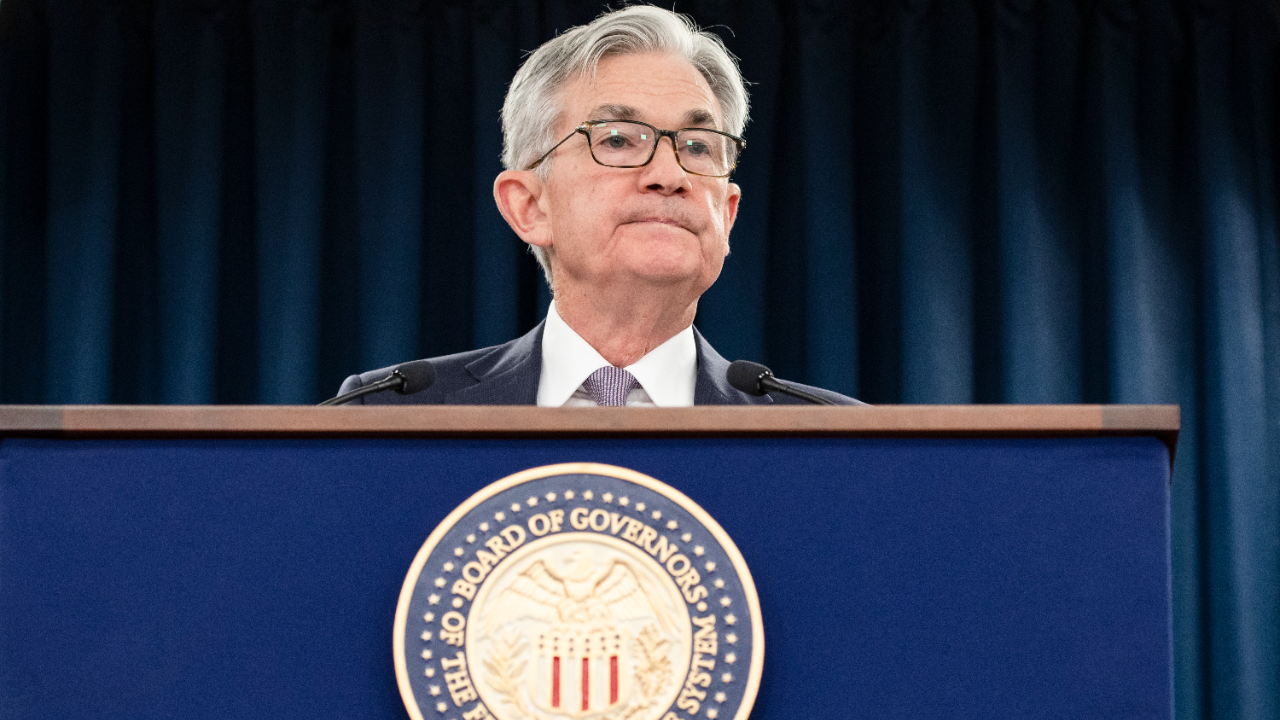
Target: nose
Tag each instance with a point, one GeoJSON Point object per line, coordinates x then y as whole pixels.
{"type": "Point", "coordinates": [663, 174]}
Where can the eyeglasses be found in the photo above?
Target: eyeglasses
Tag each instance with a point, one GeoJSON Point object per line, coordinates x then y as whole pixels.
{"type": "Point", "coordinates": [631, 144]}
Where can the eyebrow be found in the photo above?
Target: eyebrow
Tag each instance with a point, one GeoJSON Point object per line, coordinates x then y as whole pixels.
{"type": "Point", "coordinates": [615, 112]}
{"type": "Point", "coordinates": [699, 117]}
{"type": "Point", "coordinates": [693, 118]}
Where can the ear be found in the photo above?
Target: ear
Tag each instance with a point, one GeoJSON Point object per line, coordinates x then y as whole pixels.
{"type": "Point", "coordinates": [731, 207]}
{"type": "Point", "coordinates": [518, 194]}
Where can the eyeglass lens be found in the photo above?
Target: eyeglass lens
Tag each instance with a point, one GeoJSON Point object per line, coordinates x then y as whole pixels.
{"type": "Point", "coordinates": [626, 144]}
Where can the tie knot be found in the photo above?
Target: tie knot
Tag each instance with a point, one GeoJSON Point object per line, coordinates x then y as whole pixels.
{"type": "Point", "coordinates": [610, 385]}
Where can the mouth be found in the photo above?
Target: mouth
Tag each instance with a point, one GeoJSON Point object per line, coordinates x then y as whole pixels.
{"type": "Point", "coordinates": [661, 221]}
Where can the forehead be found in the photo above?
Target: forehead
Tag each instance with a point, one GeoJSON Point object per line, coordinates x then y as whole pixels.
{"type": "Point", "coordinates": [659, 89]}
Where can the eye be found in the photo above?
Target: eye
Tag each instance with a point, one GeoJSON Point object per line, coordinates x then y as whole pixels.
{"type": "Point", "coordinates": [613, 138]}
{"type": "Point", "coordinates": [696, 147]}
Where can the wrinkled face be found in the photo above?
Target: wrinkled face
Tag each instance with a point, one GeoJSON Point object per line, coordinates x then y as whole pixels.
{"type": "Point", "coordinates": [655, 223]}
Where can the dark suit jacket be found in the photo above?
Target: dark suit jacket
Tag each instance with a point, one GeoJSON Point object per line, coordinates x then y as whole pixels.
{"type": "Point", "coordinates": [508, 375]}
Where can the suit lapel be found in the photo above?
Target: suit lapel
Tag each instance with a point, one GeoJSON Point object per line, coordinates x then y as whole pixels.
{"type": "Point", "coordinates": [506, 376]}
{"type": "Point", "coordinates": [712, 387]}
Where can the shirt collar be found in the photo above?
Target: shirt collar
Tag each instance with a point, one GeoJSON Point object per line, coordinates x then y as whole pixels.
{"type": "Point", "coordinates": [668, 373]}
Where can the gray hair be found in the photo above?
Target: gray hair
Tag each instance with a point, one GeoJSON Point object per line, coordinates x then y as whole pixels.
{"type": "Point", "coordinates": [532, 106]}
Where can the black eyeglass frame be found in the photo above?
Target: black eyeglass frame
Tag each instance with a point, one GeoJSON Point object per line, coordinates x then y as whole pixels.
{"type": "Point", "coordinates": [585, 130]}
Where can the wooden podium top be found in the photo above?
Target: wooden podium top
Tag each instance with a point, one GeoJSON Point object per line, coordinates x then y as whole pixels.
{"type": "Point", "coordinates": [80, 421]}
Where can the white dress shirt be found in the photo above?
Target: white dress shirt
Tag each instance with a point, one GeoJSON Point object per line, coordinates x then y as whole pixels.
{"type": "Point", "coordinates": [667, 374]}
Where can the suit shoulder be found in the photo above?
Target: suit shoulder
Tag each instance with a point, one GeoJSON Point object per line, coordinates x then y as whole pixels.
{"type": "Point", "coordinates": [505, 374]}
{"type": "Point", "coordinates": [831, 395]}
{"type": "Point", "coordinates": [451, 375]}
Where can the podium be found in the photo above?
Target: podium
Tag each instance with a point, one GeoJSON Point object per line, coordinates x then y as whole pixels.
{"type": "Point", "coordinates": [911, 561]}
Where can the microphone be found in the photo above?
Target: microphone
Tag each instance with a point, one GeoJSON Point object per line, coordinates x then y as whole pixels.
{"type": "Point", "coordinates": [406, 379]}
{"type": "Point", "coordinates": [756, 379]}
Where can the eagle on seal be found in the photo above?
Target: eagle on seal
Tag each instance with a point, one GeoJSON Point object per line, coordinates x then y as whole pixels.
{"type": "Point", "coordinates": [577, 595]}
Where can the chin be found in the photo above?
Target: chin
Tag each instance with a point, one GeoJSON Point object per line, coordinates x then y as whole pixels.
{"type": "Point", "coordinates": [664, 253]}
{"type": "Point", "coordinates": [671, 271]}
{"type": "Point", "coordinates": [665, 259]}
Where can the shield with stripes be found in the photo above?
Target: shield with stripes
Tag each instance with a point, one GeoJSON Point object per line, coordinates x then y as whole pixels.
{"type": "Point", "coordinates": [581, 671]}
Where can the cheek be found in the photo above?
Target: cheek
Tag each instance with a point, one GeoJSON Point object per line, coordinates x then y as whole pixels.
{"type": "Point", "coordinates": [573, 217]}
{"type": "Point", "coordinates": [717, 207]}
{"type": "Point", "coordinates": [586, 208]}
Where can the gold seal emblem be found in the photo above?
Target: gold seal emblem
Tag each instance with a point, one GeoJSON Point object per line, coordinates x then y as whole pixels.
{"type": "Point", "coordinates": [578, 591]}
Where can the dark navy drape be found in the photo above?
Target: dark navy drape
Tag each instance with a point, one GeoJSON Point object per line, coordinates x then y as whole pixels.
{"type": "Point", "coordinates": [1030, 201]}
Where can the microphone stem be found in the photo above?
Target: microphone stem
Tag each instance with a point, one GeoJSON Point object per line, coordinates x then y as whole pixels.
{"type": "Point", "coordinates": [393, 380]}
{"type": "Point", "coordinates": [771, 384]}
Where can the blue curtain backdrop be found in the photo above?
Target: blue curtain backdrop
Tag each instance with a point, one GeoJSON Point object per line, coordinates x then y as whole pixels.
{"type": "Point", "coordinates": [1027, 201]}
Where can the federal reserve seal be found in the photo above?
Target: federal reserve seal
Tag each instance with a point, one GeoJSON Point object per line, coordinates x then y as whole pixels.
{"type": "Point", "coordinates": [578, 591]}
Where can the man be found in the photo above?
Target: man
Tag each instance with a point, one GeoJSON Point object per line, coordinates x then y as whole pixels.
{"type": "Point", "coordinates": [620, 137]}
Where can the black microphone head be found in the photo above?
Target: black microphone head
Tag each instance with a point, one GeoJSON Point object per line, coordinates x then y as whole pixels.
{"type": "Point", "coordinates": [418, 376]}
{"type": "Point", "coordinates": [745, 375]}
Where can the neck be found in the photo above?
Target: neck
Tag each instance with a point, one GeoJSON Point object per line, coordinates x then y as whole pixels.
{"type": "Point", "coordinates": [625, 327]}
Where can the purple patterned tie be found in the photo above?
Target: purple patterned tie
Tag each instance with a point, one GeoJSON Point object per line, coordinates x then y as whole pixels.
{"type": "Point", "coordinates": [609, 386]}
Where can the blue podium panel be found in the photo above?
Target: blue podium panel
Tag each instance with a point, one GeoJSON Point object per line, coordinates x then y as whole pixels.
{"type": "Point", "coordinates": [898, 578]}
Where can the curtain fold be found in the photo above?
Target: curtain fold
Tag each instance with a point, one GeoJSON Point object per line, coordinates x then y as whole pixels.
{"type": "Point", "coordinates": [190, 89]}
{"type": "Point", "coordinates": [1031, 201]}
